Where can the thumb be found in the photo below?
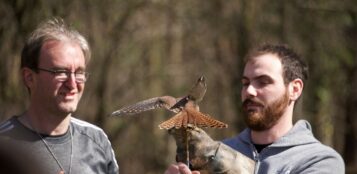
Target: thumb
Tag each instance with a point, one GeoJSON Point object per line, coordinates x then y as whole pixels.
{"type": "Point", "coordinates": [185, 170]}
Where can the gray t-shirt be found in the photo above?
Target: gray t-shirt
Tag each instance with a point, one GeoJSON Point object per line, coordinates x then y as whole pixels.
{"type": "Point", "coordinates": [89, 147]}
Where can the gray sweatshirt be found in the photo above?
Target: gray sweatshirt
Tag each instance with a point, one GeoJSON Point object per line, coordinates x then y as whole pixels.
{"type": "Point", "coordinates": [296, 152]}
{"type": "Point", "coordinates": [89, 147]}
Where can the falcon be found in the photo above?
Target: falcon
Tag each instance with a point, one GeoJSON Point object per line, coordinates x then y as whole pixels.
{"type": "Point", "coordinates": [186, 108]}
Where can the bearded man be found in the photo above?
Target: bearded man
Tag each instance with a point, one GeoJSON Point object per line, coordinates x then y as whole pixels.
{"type": "Point", "coordinates": [272, 82]}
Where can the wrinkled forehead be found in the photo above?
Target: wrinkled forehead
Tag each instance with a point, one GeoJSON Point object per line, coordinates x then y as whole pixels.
{"type": "Point", "coordinates": [266, 64]}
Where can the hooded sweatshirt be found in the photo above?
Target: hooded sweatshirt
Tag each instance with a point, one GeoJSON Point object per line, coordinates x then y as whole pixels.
{"type": "Point", "coordinates": [296, 152]}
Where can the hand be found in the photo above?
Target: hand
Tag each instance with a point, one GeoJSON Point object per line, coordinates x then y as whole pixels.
{"type": "Point", "coordinates": [207, 155]}
{"type": "Point", "coordinates": [180, 168]}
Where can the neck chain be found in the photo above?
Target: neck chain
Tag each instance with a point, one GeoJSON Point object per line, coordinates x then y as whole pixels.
{"type": "Point", "coordinates": [52, 154]}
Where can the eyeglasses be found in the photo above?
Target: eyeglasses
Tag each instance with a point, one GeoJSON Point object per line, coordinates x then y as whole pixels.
{"type": "Point", "coordinates": [63, 75]}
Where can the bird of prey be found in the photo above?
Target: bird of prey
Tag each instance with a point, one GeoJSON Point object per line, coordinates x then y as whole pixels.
{"type": "Point", "coordinates": [186, 108]}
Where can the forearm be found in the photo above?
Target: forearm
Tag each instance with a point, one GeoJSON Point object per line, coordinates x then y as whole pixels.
{"type": "Point", "coordinates": [223, 160]}
{"type": "Point", "coordinates": [209, 156]}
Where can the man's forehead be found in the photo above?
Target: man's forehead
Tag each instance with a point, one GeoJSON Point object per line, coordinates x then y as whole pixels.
{"type": "Point", "coordinates": [61, 53]}
{"type": "Point", "coordinates": [267, 65]}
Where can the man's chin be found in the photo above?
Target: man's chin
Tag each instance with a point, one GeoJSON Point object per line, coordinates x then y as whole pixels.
{"type": "Point", "coordinates": [259, 124]}
{"type": "Point", "coordinates": [255, 121]}
{"type": "Point", "coordinates": [67, 108]}
{"type": "Point", "coordinates": [253, 116]}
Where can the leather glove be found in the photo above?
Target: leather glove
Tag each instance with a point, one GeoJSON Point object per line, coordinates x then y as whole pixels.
{"type": "Point", "coordinates": [209, 156]}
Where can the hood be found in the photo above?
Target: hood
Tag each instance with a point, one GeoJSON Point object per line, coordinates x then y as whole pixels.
{"type": "Point", "coordinates": [300, 134]}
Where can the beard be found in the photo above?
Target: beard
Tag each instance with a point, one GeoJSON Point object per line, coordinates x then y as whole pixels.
{"type": "Point", "coordinates": [268, 116]}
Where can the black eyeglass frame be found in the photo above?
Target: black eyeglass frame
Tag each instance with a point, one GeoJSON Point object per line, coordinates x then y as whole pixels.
{"type": "Point", "coordinates": [67, 73]}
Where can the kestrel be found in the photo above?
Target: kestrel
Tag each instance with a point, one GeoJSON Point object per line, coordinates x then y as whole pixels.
{"type": "Point", "coordinates": [170, 103]}
{"type": "Point", "coordinates": [186, 108]}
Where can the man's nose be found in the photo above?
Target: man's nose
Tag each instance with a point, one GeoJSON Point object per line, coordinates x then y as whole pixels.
{"type": "Point", "coordinates": [251, 91]}
{"type": "Point", "coordinates": [71, 81]}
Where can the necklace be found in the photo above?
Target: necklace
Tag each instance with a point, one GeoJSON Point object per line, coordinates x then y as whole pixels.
{"type": "Point", "coordinates": [54, 156]}
{"type": "Point", "coordinates": [49, 149]}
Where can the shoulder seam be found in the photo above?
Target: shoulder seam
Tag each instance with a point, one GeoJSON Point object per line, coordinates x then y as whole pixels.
{"type": "Point", "coordinates": [84, 123]}
{"type": "Point", "coordinates": [6, 126]}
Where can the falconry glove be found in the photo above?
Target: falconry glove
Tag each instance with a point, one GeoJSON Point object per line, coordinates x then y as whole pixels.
{"type": "Point", "coordinates": [209, 156]}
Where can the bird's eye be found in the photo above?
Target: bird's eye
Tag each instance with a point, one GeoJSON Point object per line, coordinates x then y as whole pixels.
{"type": "Point", "coordinates": [211, 158]}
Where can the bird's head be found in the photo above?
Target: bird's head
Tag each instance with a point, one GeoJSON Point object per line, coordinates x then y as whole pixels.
{"type": "Point", "coordinates": [198, 91]}
{"type": "Point", "coordinates": [202, 80]}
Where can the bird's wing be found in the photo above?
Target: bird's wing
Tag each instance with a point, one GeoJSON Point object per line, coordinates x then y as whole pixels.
{"type": "Point", "coordinates": [180, 103]}
{"type": "Point", "coordinates": [149, 104]}
{"type": "Point", "coordinates": [190, 116]}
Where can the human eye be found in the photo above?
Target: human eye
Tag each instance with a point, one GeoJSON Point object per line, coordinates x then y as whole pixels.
{"type": "Point", "coordinates": [81, 75]}
{"type": "Point", "coordinates": [80, 72]}
{"type": "Point", "coordinates": [61, 72]}
{"type": "Point", "coordinates": [264, 81]}
{"type": "Point", "coordinates": [245, 82]}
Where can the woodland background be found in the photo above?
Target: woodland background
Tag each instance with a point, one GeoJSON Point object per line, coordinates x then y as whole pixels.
{"type": "Point", "coordinates": [146, 48]}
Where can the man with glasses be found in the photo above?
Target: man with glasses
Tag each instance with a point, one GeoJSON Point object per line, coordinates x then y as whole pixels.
{"type": "Point", "coordinates": [53, 68]}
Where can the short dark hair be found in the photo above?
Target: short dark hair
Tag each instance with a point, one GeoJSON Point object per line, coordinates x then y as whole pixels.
{"type": "Point", "coordinates": [53, 29]}
{"type": "Point", "coordinates": [293, 65]}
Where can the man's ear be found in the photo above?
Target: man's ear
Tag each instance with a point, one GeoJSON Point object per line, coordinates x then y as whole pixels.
{"type": "Point", "coordinates": [295, 89]}
{"type": "Point", "coordinates": [27, 77]}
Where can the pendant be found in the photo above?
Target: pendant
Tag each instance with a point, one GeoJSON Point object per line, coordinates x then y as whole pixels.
{"type": "Point", "coordinates": [61, 172]}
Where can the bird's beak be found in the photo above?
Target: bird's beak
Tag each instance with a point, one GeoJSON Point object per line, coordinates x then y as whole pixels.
{"type": "Point", "coordinates": [202, 78]}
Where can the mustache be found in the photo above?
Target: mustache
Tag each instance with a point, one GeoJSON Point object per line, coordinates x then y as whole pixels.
{"type": "Point", "coordinates": [252, 101]}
